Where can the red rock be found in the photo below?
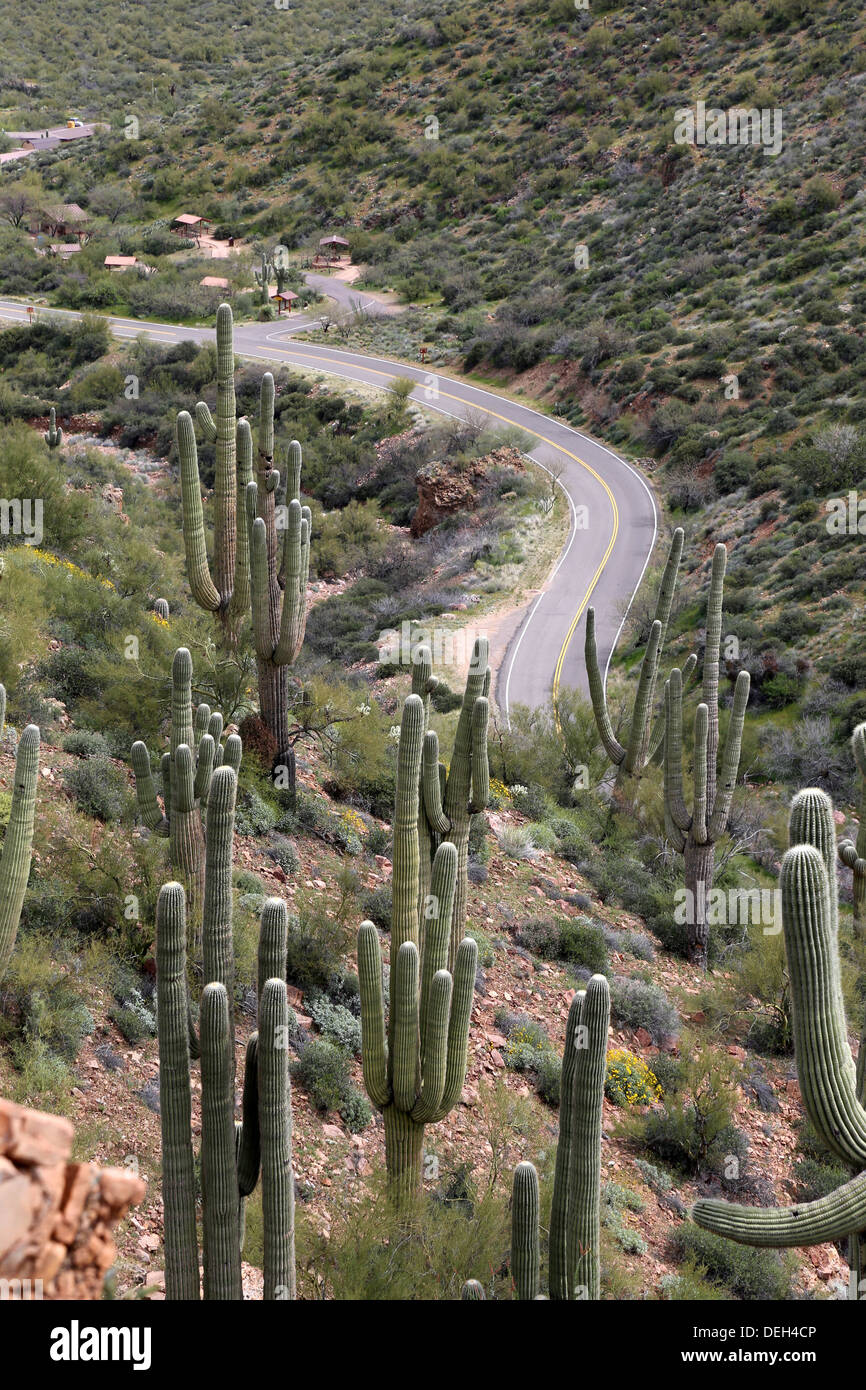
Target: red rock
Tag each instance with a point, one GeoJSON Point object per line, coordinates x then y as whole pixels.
{"type": "Point", "coordinates": [496, 1058]}
{"type": "Point", "coordinates": [31, 1136]}
{"type": "Point", "coordinates": [643, 1037]}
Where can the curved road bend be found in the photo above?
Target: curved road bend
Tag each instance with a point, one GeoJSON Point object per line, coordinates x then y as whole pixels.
{"type": "Point", "coordinates": [609, 543]}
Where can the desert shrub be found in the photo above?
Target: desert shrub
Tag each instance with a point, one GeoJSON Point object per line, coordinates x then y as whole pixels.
{"type": "Point", "coordinates": [641, 1005]}
{"type": "Point", "coordinates": [335, 1022]}
{"type": "Point", "coordinates": [375, 904]}
{"type": "Point", "coordinates": [86, 743]}
{"type": "Point", "coordinates": [629, 1079]}
{"type": "Point", "coordinates": [693, 1128]}
{"type": "Point", "coordinates": [815, 1178]}
{"type": "Point", "coordinates": [528, 1050]}
{"type": "Point", "coordinates": [517, 842]}
{"type": "Point", "coordinates": [254, 815]}
{"type": "Point", "coordinates": [283, 852]}
{"type": "Point", "coordinates": [323, 1071]}
{"type": "Point", "coordinates": [98, 788]}
{"type": "Point", "coordinates": [751, 1274]}
{"type": "Point", "coordinates": [134, 1016]}
{"type": "Point", "coordinates": [313, 954]}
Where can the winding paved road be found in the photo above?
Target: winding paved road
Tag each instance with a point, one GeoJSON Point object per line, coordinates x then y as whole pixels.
{"type": "Point", "coordinates": [613, 514]}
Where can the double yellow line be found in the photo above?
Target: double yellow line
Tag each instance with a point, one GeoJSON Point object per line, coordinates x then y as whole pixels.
{"type": "Point", "coordinates": [563, 652]}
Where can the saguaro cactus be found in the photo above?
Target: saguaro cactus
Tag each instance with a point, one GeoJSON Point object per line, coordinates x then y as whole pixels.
{"type": "Point", "coordinates": [187, 769]}
{"type": "Point", "coordinates": [695, 833]}
{"type": "Point", "coordinates": [54, 434]}
{"type": "Point", "coordinates": [232, 1153]}
{"type": "Point", "coordinates": [415, 1070]}
{"type": "Point", "coordinates": [278, 582]}
{"type": "Point", "coordinates": [18, 840]}
{"type": "Point", "coordinates": [632, 757]}
{"type": "Point", "coordinates": [575, 1220]}
{"type": "Point", "coordinates": [449, 799]}
{"type": "Point", "coordinates": [831, 1089]}
{"type": "Point", "coordinates": [161, 608]}
{"type": "Point", "coordinates": [853, 853]}
{"type": "Point", "coordinates": [224, 591]}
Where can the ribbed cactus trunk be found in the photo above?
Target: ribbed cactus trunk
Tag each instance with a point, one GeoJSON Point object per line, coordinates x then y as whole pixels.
{"type": "Point", "coordinates": [415, 1066]}
{"type": "Point", "coordinates": [575, 1218]}
{"type": "Point", "coordinates": [18, 840]}
{"type": "Point", "coordinates": [278, 581]}
{"type": "Point", "coordinates": [831, 1088]}
{"type": "Point", "coordinates": [175, 1097]}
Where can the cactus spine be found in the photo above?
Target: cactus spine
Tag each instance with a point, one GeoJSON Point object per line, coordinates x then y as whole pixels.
{"type": "Point", "coordinates": [831, 1088]}
{"type": "Point", "coordinates": [226, 590]}
{"type": "Point", "coordinates": [415, 1069]}
{"type": "Point", "coordinates": [448, 800]}
{"type": "Point", "coordinates": [232, 1153]}
{"type": "Point", "coordinates": [695, 833]}
{"type": "Point", "coordinates": [54, 434]}
{"type": "Point", "coordinates": [187, 770]}
{"type": "Point", "coordinates": [278, 583]}
{"type": "Point", "coordinates": [853, 853]}
{"type": "Point", "coordinates": [632, 757]}
{"type": "Point", "coordinates": [18, 840]}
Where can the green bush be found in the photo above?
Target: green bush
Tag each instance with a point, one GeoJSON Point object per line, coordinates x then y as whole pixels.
{"type": "Point", "coordinates": [751, 1274]}
{"type": "Point", "coordinates": [98, 787]}
{"type": "Point", "coordinates": [86, 743]}
{"type": "Point", "coordinates": [640, 1005]}
{"type": "Point", "coordinates": [323, 1071]}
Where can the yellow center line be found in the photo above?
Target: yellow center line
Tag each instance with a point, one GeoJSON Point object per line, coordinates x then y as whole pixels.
{"type": "Point", "coordinates": [557, 674]}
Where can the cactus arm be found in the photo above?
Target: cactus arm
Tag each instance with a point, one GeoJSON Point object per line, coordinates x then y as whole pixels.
{"type": "Point", "coordinates": [204, 590]}
{"type": "Point", "coordinates": [669, 583]}
{"type": "Point", "coordinates": [293, 616]}
{"type": "Point", "coordinates": [206, 422]}
{"type": "Point", "coordinates": [404, 1017]}
{"type": "Point", "coordinates": [436, 929]}
{"type": "Point", "coordinates": [240, 600]}
{"type": "Point", "coordinates": [636, 753]}
{"type": "Point", "coordinates": [612, 746]}
{"type": "Point", "coordinates": [675, 804]}
{"type": "Point", "coordinates": [217, 945]}
{"type": "Point", "coordinates": [204, 769]}
{"type": "Point", "coordinates": [2, 704]}
{"type": "Point", "coordinates": [431, 786]}
{"type": "Point", "coordinates": [730, 759]}
{"type": "Point", "coordinates": [175, 1100]}
{"type": "Point", "coordinates": [463, 994]}
{"type": "Point", "coordinates": [710, 692]}
{"type": "Point", "coordinates": [273, 942]}
{"type": "Point", "coordinates": [220, 1219]}
{"type": "Point", "coordinates": [247, 1135]}
{"type": "Point", "coordinates": [374, 1047]}
{"type": "Point", "coordinates": [562, 1260]}
{"type": "Point", "coordinates": [275, 1122]}
{"type": "Point", "coordinates": [145, 790]}
{"type": "Point", "coordinates": [260, 590]}
{"type": "Point", "coordinates": [811, 822]}
{"type": "Point", "coordinates": [480, 793]}
{"type": "Point", "coordinates": [828, 1219]}
{"type": "Point", "coordinates": [404, 921]}
{"type": "Point", "coordinates": [701, 776]}
{"type": "Point", "coordinates": [655, 753]}
{"type": "Point", "coordinates": [824, 1065]}
{"type": "Point", "coordinates": [435, 1044]}
{"type": "Point", "coordinates": [233, 752]}
{"type": "Point", "coordinates": [525, 1256]}
{"type": "Point", "coordinates": [18, 842]}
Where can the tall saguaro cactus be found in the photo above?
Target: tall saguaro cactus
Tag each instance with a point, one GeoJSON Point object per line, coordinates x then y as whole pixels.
{"type": "Point", "coordinates": [18, 840]}
{"type": "Point", "coordinates": [632, 757]}
{"type": "Point", "coordinates": [414, 1069]}
{"type": "Point", "coordinates": [232, 1152]}
{"type": "Point", "coordinates": [695, 833]}
{"type": "Point", "coordinates": [224, 589]}
{"type": "Point", "coordinates": [278, 582]}
{"type": "Point", "coordinates": [187, 769]}
{"type": "Point", "coordinates": [831, 1087]}
{"type": "Point", "coordinates": [853, 853]}
{"type": "Point", "coordinates": [449, 799]}
{"type": "Point", "coordinates": [575, 1215]}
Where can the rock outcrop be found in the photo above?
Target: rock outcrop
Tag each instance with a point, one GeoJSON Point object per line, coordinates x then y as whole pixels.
{"type": "Point", "coordinates": [446, 488]}
{"type": "Point", "coordinates": [56, 1217]}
